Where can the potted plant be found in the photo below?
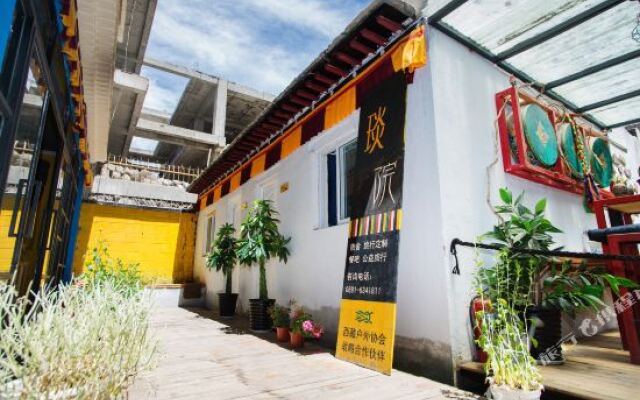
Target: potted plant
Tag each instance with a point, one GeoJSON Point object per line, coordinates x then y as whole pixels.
{"type": "Point", "coordinates": [511, 372]}
{"type": "Point", "coordinates": [541, 287]}
{"type": "Point", "coordinates": [260, 240]}
{"type": "Point", "coordinates": [223, 258]}
{"type": "Point", "coordinates": [280, 317]}
{"type": "Point", "coordinates": [303, 327]}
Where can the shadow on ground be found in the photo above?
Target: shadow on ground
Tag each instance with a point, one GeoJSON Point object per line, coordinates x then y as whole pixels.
{"type": "Point", "coordinates": [239, 325]}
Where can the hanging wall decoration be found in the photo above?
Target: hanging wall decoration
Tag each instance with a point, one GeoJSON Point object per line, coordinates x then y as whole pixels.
{"type": "Point", "coordinates": [368, 307]}
{"type": "Point", "coordinates": [549, 146]}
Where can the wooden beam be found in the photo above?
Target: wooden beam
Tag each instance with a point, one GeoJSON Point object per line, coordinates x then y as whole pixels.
{"type": "Point", "coordinates": [277, 120]}
{"type": "Point", "coordinates": [387, 23]}
{"type": "Point", "coordinates": [299, 101]}
{"type": "Point", "coordinates": [335, 70]}
{"type": "Point", "coordinates": [347, 59]}
{"type": "Point", "coordinates": [324, 79]}
{"type": "Point", "coordinates": [314, 86]}
{"type": "Point", "coordinates": [270, 125]}
{"type": "Point", "coordinates": [373, 37]}
{"type": "Point", "coordinates": [290, 108]}
{"type": "Point", "coordinates": [361, 47]}
{"type": "Point", "coordinates": [283, 114]}
{"type": "Point", "coordinates": [306, 95]}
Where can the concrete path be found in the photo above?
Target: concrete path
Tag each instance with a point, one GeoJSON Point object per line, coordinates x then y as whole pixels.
{"type": "Point", "coordinates": [201, 358]}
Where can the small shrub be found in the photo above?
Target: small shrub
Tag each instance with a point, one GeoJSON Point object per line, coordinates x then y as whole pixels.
{"type": "Point", "coordinates": [280, 316]}
{"type": "Point", "coordinates": [86, 341]}
{"type": "Point", "coordinates": [102, 267]}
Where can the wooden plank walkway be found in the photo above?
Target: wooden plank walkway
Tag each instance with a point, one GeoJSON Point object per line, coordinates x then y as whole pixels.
{"type": "Point", "coordinates": [201, 358]}
{"type": "Point", "coordinates": [596, 369]}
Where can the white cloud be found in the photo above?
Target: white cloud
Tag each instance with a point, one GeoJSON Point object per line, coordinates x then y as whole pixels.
{"type": "Point", "coordinates": [325, 17]}
{"type": "Point", "coordinates": [263, 44]}
{"type": "Point", "coordinates": [164, 90]}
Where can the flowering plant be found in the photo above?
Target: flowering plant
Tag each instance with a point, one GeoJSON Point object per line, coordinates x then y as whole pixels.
{"type": "Point", "coordinates": [312, 329]}
{"type": "Point", "coordinates": [303, 324]}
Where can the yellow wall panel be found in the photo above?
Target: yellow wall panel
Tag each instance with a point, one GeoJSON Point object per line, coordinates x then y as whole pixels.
{"type": "Point", "coordinates": [162, 242]}
{"type": "Point", "coordinates": [6, 242]}
{"type": "Point", "coordinates": [291, 142]}
{"type": "Point", "coordinates": [340, 108]}
{"type": "Point", "coordinates": [257, 166]}
{"type": "Point", "coordinates": [235, 182]}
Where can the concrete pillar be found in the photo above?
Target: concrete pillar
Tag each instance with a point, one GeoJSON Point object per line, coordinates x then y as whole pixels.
{"type": "Point", "coordinates": [220, 108]}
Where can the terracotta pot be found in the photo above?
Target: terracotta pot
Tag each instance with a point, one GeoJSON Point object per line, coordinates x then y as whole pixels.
{"type": "Point", "coordinates": [297, 340]}
{"type": "Point", "coordinates": [282, 334]}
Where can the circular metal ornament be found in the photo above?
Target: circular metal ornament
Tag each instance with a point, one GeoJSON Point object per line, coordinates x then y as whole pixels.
{"type": "Point", "coordinates": [540, 135]}
{"type": "Point", "coordinates": [601, 162]}
{"type": "Point", "coordinates": [568, 140]}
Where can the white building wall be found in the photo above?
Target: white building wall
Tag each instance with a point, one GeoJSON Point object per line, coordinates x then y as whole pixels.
{"type": "Point", "coordinates": [464, 85]}
{"type": "Point", "coordinates": [450, 141]}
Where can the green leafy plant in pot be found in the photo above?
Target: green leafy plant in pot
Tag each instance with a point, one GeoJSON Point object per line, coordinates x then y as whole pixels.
{"type": "Point", "coordinates": [280, 317]}
{"type": "Point", "coordinates": [543, 287]}
{"type": "Point", "coordinates": [260, 240]}
{"type": "Point", "coordinates": [222, 258]}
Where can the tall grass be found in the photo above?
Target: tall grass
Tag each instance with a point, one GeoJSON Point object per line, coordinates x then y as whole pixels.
{"type": "Point", "coordinates": [81, 341]}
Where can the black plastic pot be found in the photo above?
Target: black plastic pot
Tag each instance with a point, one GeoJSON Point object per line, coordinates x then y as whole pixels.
{"type": "Point", "coordinates": [548, 333]}
{"type": "Point", "coordinates": [227, 304]}
{"type": "Point", "coordinates": [259, 318]}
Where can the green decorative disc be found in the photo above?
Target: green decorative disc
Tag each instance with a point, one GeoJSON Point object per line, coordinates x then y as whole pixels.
{"type": "Point", "coordinates": [601, 162]}
{"type": "Point", "coordinates": [568, 142]}
{"type": "Point", "coordinates": [540, 135]}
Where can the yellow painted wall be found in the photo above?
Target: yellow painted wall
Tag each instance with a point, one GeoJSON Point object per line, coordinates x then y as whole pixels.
{"type": "Point", "coordinates": [6, 242]}
{"type": "Point", "coordinates": [162, 242]}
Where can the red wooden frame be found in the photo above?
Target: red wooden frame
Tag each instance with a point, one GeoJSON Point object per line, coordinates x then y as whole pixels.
{"type": "Point", "coordinates": [626, 244]}
{"type": "Point", "coordinates": [559, 176]}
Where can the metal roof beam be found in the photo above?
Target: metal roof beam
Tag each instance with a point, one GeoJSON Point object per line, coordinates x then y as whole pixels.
{"type": "Point", "coordinates": [507, 67]}
{"type": "Point", "coordinates": [625, 123]}
{"type": "Point", "coordinates": [603, 103]}
{"type": "Point", "coordinates": [446, 10]}
{"type": "Point", "coordinates": [593, 69]}
{"type": "Point", "coordinates": [559, 28]}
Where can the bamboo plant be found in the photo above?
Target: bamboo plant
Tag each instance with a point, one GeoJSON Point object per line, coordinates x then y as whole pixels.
{"type": "Point", "coordinates": [260, 240]}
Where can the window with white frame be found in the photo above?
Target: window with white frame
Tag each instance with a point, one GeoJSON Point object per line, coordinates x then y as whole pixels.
{"type": "Point", "coordinates": [210, 231]}
{"type": "Point", "coordinates": [340, 173]}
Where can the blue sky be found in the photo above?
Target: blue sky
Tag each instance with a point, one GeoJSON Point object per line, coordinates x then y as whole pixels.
{"type": "Point", "coordinates": [263, 44]}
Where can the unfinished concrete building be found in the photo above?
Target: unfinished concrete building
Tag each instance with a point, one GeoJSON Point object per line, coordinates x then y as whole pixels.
{"type": "Point", "coordinates": [209, 114]}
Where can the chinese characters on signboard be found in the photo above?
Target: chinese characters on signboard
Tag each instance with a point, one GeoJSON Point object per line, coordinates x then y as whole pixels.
{"type": "Point", "coordinates": [368, 311]}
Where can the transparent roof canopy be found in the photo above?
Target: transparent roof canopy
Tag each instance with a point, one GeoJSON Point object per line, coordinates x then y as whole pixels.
{"type": "Point", "coordinates": [580, 51]}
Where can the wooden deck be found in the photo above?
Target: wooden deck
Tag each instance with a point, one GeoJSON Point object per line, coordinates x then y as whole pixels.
{"type": "Point", "coordinates": [201, 358]}
{"type": "Point", "coordinates": [596, 369]}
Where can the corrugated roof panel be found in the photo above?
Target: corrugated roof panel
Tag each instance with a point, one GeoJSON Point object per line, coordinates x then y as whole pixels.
{"type": "Point", "coordinates": [622, 111]}
{"type": "Point", "coordinates": [498, 25]}
{"type": "Point", "coordinates": [604, 37]}
{"type": "Point", "coordinates": [603, 85]}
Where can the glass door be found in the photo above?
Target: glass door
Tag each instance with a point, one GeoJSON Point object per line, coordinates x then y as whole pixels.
{"type": "Point", "coordinates": [59, 235]}
{"type": "Point", "coordinates": [22, 190]}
